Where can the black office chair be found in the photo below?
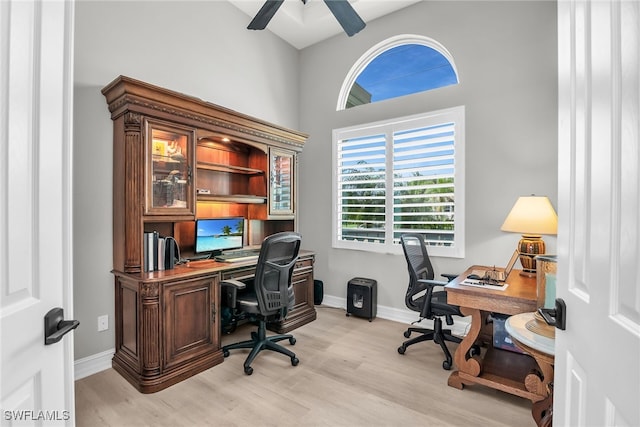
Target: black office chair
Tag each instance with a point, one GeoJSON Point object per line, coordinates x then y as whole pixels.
{"type": "Point", "coordinates": [422, 297]}
{"type": "Point", "coordinates": [266, 298]}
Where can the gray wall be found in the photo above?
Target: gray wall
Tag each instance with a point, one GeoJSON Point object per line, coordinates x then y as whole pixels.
{"type": "Point", "coordinates": [505, 53]}
{"type": "Point", "coordinates": [506, 57]}
{"type": "Point", "coordinates": [200, 48]}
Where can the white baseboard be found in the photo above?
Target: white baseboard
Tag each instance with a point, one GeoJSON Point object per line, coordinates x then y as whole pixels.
{"type": "Point", "coordinates": [460, 327]}
{"type": "Point", "coordinates": [99, 362]}
{"type": "Point", "coordinates": [93, 364]}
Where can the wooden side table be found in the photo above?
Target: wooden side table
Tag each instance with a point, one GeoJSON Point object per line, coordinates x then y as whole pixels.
{"type": "Point", "coordinates": [522, 329]}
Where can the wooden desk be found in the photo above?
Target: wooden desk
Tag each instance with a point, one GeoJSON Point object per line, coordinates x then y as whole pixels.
{"type": "Point", "coordinates": [167, 323]}
{"type": "Point", "coordinates": [496, 368]}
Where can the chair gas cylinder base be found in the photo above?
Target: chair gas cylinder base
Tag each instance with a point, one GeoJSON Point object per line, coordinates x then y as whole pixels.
{"type": "Point", "coordinates": [260, 341]}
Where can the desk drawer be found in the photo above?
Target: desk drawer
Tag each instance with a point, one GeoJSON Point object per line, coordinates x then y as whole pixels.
{"type": "Point", "coordinates": [244, 273]}
{"type": "Point", "coordinates": [302, 266]}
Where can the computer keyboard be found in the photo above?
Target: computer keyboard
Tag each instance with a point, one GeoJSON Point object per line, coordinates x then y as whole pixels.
{"type": "Point", "coordinates": [235, 258]}
{"type": "Point", "coordinates": [238, 256]}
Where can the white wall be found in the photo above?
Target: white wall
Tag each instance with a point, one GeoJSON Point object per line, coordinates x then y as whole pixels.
{"type": "Point", "coordinates": [198, 48]}
{"type": "Point", "coordinates": [506, 57]}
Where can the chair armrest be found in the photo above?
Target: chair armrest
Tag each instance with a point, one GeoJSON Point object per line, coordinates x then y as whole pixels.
{"type": "Point", "coordinates": [230, 290]}
{"type": "Point", "coordinates": [432, 283]}
{"type": "Point", "coordinates": [449, 277]}
{"type": "Point", "coordinates": [429, 284]}
{"type": "Point", "coordinates": [233, 283]}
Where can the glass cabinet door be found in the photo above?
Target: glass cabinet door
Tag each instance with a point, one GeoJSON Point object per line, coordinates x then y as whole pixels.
{"type": "Point", "coordinates": [169, 168]}
{"type": "Point", "coordinates": [281, 164]}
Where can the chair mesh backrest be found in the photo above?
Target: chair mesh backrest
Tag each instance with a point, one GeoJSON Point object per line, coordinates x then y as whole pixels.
{"type": "Point", "coordinates": [418, 264]}
{"type": "Point", "coordinates": [278, 256]}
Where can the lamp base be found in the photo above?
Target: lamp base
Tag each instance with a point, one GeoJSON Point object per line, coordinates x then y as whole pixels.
{"type": "Point", "coordinates": [530, 246]}
{"type": "Point", "coordinates": [526, 273]}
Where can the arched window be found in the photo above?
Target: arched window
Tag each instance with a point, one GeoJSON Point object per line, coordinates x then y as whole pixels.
{"type": "Point", "coordinates": [398, 66]}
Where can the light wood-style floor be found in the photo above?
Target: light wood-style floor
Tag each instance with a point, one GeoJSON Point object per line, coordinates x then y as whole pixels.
{"type": "Point", "coordinates": [350, 374]}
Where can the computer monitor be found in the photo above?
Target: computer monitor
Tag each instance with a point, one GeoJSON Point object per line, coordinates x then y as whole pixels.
{"type": "Point", "coordinates": [218, 234]}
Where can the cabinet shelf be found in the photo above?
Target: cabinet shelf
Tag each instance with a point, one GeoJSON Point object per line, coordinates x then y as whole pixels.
{"type": "Point", "coordinates": [233, 198]}
{"type": "Point", "coordinates": [220, 167]}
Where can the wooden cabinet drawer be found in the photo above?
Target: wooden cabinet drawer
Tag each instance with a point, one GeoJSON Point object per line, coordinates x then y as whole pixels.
{"type": "Point", "coordinates": [303, 266]}
{"type": "Point", "coordinates": [245, 273]}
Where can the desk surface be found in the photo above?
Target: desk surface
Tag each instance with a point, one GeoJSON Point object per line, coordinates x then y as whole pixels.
{"type": "Point", "coordinates": [201, 267]}
{"type": "Point", "coordinates": [519, 297]}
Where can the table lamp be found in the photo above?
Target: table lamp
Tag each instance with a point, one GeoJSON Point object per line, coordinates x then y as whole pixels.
{"type": "Point", "coordinates": [531, 216]}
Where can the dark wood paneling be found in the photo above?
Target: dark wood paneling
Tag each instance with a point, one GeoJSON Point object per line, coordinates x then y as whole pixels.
{"type": "Point", "coordinates": [130, 320]}
{"type": "Point", "coordinates": [188, 325]}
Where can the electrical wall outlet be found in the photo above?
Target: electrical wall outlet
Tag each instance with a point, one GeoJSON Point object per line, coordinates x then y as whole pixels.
{"type": "Point", "coordinates": [103, 323]}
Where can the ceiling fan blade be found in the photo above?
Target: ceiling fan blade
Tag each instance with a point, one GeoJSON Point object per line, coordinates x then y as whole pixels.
{"type": "Point", "coordinates": [346, 16]}
{"type": "Point", "coordinates": [264, 15]}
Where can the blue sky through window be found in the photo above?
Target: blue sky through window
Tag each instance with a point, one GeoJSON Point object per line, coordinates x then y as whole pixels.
{"type": "Point", "coordinates": [404, 70]}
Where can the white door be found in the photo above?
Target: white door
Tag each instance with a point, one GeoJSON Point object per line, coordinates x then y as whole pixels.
{"type": "Point", "coordinates": [36, 88]}
{"type": "Point", "coordinates": [597, 376]}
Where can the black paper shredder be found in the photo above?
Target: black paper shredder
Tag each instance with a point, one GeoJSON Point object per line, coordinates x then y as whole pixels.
{"type": "Point", "coordinates": [362, 297]}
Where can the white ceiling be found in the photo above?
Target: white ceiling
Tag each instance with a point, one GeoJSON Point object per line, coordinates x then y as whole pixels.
{"type": "Point", "coordinates": [303, 25]}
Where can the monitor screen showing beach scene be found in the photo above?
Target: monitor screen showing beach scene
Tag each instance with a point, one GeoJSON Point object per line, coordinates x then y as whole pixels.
{"type": "Point", "coordinates": [219, 234]}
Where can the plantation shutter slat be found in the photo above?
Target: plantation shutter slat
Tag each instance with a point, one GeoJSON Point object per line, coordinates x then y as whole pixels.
{"type": "Point", "coordinates": [423, 171]}
{"type": "Point", "coordinates": [362, 188]}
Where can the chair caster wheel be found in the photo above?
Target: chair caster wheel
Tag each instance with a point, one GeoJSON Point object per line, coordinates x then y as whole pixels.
{"type": "Point", "coordinates": [446, 365]}
{"type": "Point", "coordinates": [225, 353]}
{"type": "Point", "coordinates": [294, 361]}
{"type": "Point", "coordinates": [407, 334]}
{"type": "Point", "coordinates": [292, 341]}
{"type": "Point", "coordinates": [348, 314]}
{"type": "Point", "coordinates": [248, 370]}
{"type": "Point", "coordinates": [402, 349]}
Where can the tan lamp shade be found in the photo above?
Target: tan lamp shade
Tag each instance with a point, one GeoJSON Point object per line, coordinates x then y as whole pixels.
{"type": "Point", "coordinates": [531, 216]}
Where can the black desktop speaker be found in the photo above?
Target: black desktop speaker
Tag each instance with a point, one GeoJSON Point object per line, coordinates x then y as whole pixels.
{"type": "Point", "coordinates": [172, 253]}
{"type": "Point", "coordinates": [362, 297]}
{"type": "Point", "coordinates": [318, 292]}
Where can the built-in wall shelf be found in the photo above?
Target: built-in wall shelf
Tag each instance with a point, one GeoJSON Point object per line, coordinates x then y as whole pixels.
{"type": "Point", "coordinates": [234, 198]}
{"type": "Point", "coordinates": [220, 167]}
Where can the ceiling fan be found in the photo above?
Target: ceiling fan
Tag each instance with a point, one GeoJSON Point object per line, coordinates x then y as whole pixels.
{"type": "Point", "coordinates": [341, 9]}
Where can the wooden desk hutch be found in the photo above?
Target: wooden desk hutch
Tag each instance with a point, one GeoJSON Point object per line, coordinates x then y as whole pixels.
{"type": "Point", "coordinates": [177, 158]}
